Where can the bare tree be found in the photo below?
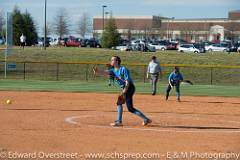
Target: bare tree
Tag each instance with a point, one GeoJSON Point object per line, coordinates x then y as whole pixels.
{"type": "Point", "coordinates": [61, 23]}
{"type": "Point", "coordinates": [2, 23]}
{"type": "Point", "coordinates": [84, 25]}
{"type": "Point", "coordinates": [129, 27]}
{"type": "Point", "coordinates": [231, 29]}
{"type": "Point", "coordinates": [48, 29]}
{"type": "Point", "coordinates": [157, 30]}
{"type": "Point", "coordinates": [185, 34]}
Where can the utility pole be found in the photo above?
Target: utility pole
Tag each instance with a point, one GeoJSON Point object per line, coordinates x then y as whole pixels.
{"type": "Point", "coordinates": [103, 6]}
{"type": "Point", "coordinates": [45, 25]}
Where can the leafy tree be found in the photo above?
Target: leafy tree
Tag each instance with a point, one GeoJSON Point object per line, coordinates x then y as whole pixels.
{"type": "Point", "coordinates": [18, 25]}
{"type": "Point", "coordinates": [2, 23]}
{"type": "Point", "coordinates": [29, 29]}
{"type": "Point", "coordinates": [110, 37]}
{"type": "Point", "coordinates": [23, 24]}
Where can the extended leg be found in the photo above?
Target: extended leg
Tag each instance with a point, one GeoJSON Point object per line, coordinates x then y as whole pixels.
{"type": "Point", "coordinates": [167, 91]}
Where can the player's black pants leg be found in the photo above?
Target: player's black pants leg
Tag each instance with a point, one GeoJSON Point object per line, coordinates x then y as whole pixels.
{"type": "Point", "coordinates": [129, 103]}
{"type": "Point", "coordinates": [129, 98]}
{"type": "Point", "coordinates": [167, 91]}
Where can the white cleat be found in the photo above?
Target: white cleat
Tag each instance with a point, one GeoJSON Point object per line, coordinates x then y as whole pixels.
{"type": "Point", "coordinates": [116, 124]}
{"type": "Point", "coordinates": [147, 122]}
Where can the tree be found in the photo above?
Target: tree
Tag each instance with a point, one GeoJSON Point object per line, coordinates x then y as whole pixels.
{"type": "Point", "coordinates": [23, 24]}
{"type": "Point", "coordinates": [231, 31]}
{"type": "Point", "coordinates": [61, 26]}
{"type": "Point", "coordinates": [2, 23]}
{"type": "Point", "coordinates": [48, 29]}
{"type": "Point", "coordinates": [84, 25]}
{"type": "Point", "coordinates": [29, 29]}
{"type": "Point", "coordinates": [110, 37]}
{"type": "Point", "coordinates": [129, 30]}
{"type": "Point", "coordinates": [18, 25]}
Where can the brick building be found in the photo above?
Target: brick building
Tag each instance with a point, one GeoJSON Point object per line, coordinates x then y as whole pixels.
{"type": "Point", "coordinates": [212, 29]}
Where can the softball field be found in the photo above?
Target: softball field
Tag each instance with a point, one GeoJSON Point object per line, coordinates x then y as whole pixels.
{"type": "Point", "coordinates": [52, 125]}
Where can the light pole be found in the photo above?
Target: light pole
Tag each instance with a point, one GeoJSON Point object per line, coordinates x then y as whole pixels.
{"type": "Point", "coordinates": [45, 25]}
{"type": "Point", "coordinates": [167, 28]}
{"type": "Point", "coordinates": [168, 31]}
{"type": "Point", "coordinates": [106, 15]}
{"type": "Point", "coordinates": [104, 6]}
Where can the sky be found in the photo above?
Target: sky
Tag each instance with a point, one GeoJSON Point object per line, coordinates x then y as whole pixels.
{"type": "Point", "coordinates": [179, 9]}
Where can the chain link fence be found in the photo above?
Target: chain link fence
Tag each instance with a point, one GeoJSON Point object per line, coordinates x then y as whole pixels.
{"type": "Point", "coordinates": [54, 71]}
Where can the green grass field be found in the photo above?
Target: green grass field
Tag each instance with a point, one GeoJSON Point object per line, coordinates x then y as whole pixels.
{"type": "Point", "coordinates": [72, 78]}
{"type": "Point", "coordinates": [101, 86]}
{"type": "Point", "coordinates": [70, 54]}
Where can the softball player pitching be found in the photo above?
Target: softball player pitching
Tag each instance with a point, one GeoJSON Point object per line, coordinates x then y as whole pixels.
{"type": "Point", "coordinates": [174, 79]}
{"type": "Point", "coordinates": [125, 82]}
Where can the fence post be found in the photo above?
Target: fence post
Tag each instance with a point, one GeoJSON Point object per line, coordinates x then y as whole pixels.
{"type": "Point", "coordinates": [57, 72]}
{"type": "Point", "coordinates": [87, 72]}
{"type": "Point", "coordinates": [144, 73]}
{"type": "Point", "coordinates": [24, 70]}
{"type": "Point", "coordinates": [211, 75]}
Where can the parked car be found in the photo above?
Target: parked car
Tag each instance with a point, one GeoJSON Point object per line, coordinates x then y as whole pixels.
{"type": "Point", "coordinates": [169, 45]}
{"type": "Point", "coordinates": [143, 48]}
{"type": "Point", "coordinates": [2, 41]}
{"type": "Point", "coordinates": [63, 41]}
{"type": "Point", "coordinates": [124, 47]}
{"type": "Point", "coordinates": [138, 41]}
{"type": "Point", "coordinates": [200, 46]}
{"type": "Point", "coordinates": [179, 41]}
{"type": "Point", "coordinates": [238, 50]}
{"type": "Point", "coordinates": [188, 48]}
{"type": "Point", "coordinates": [40, 42]}
{"type": "Point", "coordinates": [149, 48]}
{"type": "Point", "coordinates": [216, 47]}
{"type": "Point", "coordinates": [84, 42]}
{"type": "Point", "coordinates": [234, 47]}
{"type": "Point", "coordinates": [54, 41]}
{"type": "Point", "coordinates": [94, 43]}
{"type": "Point", "coordinates": [72, 42]}
{"type": "Point", "coordinates": [158, 46]}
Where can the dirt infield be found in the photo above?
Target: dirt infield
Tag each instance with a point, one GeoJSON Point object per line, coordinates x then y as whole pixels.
{"type": "Point", "coordinates": [79, 122]}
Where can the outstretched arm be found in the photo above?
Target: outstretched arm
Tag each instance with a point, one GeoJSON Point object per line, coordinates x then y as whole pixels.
{"type": "Point", "coordinates": [99, 71]}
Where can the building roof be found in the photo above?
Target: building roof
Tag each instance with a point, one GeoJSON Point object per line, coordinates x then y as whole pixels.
{"type": "Point", "coordinates": [238, 11]}
{"type": "Point", "coordinates": [126, 17]}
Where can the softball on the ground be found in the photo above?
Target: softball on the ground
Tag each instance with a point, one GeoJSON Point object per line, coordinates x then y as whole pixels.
{"type": "Point", "coordinates": [9, 101]}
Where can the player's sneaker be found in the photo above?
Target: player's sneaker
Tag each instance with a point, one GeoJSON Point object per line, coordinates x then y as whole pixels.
{"type": "Point", "coordinates": [178, 100]}
{"type": "Point", "coordinates": [116, 124]}
{"type": "Point", "coordinates": [146, 122]}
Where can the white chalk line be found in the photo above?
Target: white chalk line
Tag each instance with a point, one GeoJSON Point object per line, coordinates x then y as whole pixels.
{"type": "Point", "coordinates": [71, 120]}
